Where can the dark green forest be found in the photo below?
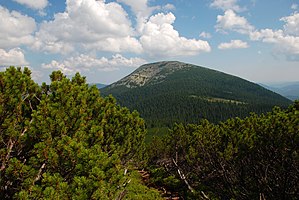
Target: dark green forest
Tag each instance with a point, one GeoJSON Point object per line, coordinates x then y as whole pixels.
{"type": "Point", "coordinates": [252, 158]}
{"type": "Point", "coordinates": [65, 141]}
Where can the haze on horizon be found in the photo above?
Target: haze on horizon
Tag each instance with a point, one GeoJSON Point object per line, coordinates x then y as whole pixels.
{"type": "Point", "coordinates": [105, 40]}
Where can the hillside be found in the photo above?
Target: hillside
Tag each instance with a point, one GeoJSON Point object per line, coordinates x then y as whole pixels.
{"type": "Point", "coordinates": [171, 91]}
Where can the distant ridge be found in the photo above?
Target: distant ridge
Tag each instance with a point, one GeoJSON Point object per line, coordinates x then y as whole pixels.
{"type": "Point", "coordinates": [289, 90]}
{"type": "Point", "coordinates": [100, 85]}
{"type": "Point", "coordinates": [171, 91]}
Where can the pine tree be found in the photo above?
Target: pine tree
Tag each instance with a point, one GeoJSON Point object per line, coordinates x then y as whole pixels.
{"type": "Point", "coordinates": [64, 141]}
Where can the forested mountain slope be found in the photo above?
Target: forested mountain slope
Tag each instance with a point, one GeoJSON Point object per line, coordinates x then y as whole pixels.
{"type": "Point", "coordinates": [171, 91]}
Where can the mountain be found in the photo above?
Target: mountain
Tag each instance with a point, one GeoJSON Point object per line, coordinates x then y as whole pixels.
{"type": "Point", "coordinates": [289, 90]}
{"type": "Point", "coordinates": [99, 85]}
{"type": "Point", "coordinates": [170, 91]}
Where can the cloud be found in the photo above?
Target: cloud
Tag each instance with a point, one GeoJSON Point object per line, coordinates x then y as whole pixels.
{"type": "Point", "coordinates": [285, 44]}
{"type": "Point", "coordinates": [292, 24]}
{"type": "Point", "coordinates": [33, 4]}
{"type": "Point", "coordinates": [85, 62]}
{"type": "Point", "coordinates": [205, 35]}
{"type": "Point", "coordinates": [140, 7]}
{"type": "Point", "coordinates": [123, 44]}
{"type": "Point", "coordinates": [226, 5]}
{"type": "Point", "coordinates": [99, 26]}
{"type": "Point", "coordinates": [88, 24]}
{"type": "Point", "coordinates": [286, 40]}
{"type": "Point", "coordinates": [13, 57]}
{"type": "Point", "coordinates": [143, 11]}
{"type": "Point", "coordinates": [16, 29]}
{"type": "Point", "coordinates": [233, 44]}
{"type": "Point", "coordinates": [230, 21]}
{"type": "Point", "coordinates": [159, 38]}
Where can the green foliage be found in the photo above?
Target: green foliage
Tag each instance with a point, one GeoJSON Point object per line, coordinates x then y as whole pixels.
{"type": "Point", "coordinates": [136, 191]}
{"type": "Point", "coordinates": [64, 141]}
{"type": "Point", "coordinates": [252, 158]}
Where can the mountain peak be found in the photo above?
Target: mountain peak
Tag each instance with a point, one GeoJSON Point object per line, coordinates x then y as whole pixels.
{"type": "Point", "coordinates": [168, 92]}
{"type": "Point", "coordinates": [152, 73]}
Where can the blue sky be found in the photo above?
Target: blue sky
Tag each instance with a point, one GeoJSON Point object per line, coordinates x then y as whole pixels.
{"type": "Point", "coordinates": [106, 40]}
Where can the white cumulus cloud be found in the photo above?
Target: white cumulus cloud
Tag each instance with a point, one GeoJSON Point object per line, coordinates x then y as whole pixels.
{"type": "Point", "coordinates": [230, 21]}
{"type": "Point", "coordinates": [159, 38]}
{"type": "Point", "coordinates": [34, 4]}
{"type": "Point", "coordinates": [226, 5]}
{"type": "Point", "coordinates": [88, 24]}
{"type": "Point", "coordinates": [85, 62]}
{"type": "Point", "coordinates": [16, 29]}
{"type": "Point", "coordinates": [233, 44]}
{"type": "Point", "coordinates": [13, 57]}
{"type": "Point", "coordinates": [292, 24]}
{"type": "Point", "coordinates": [99, 26]}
